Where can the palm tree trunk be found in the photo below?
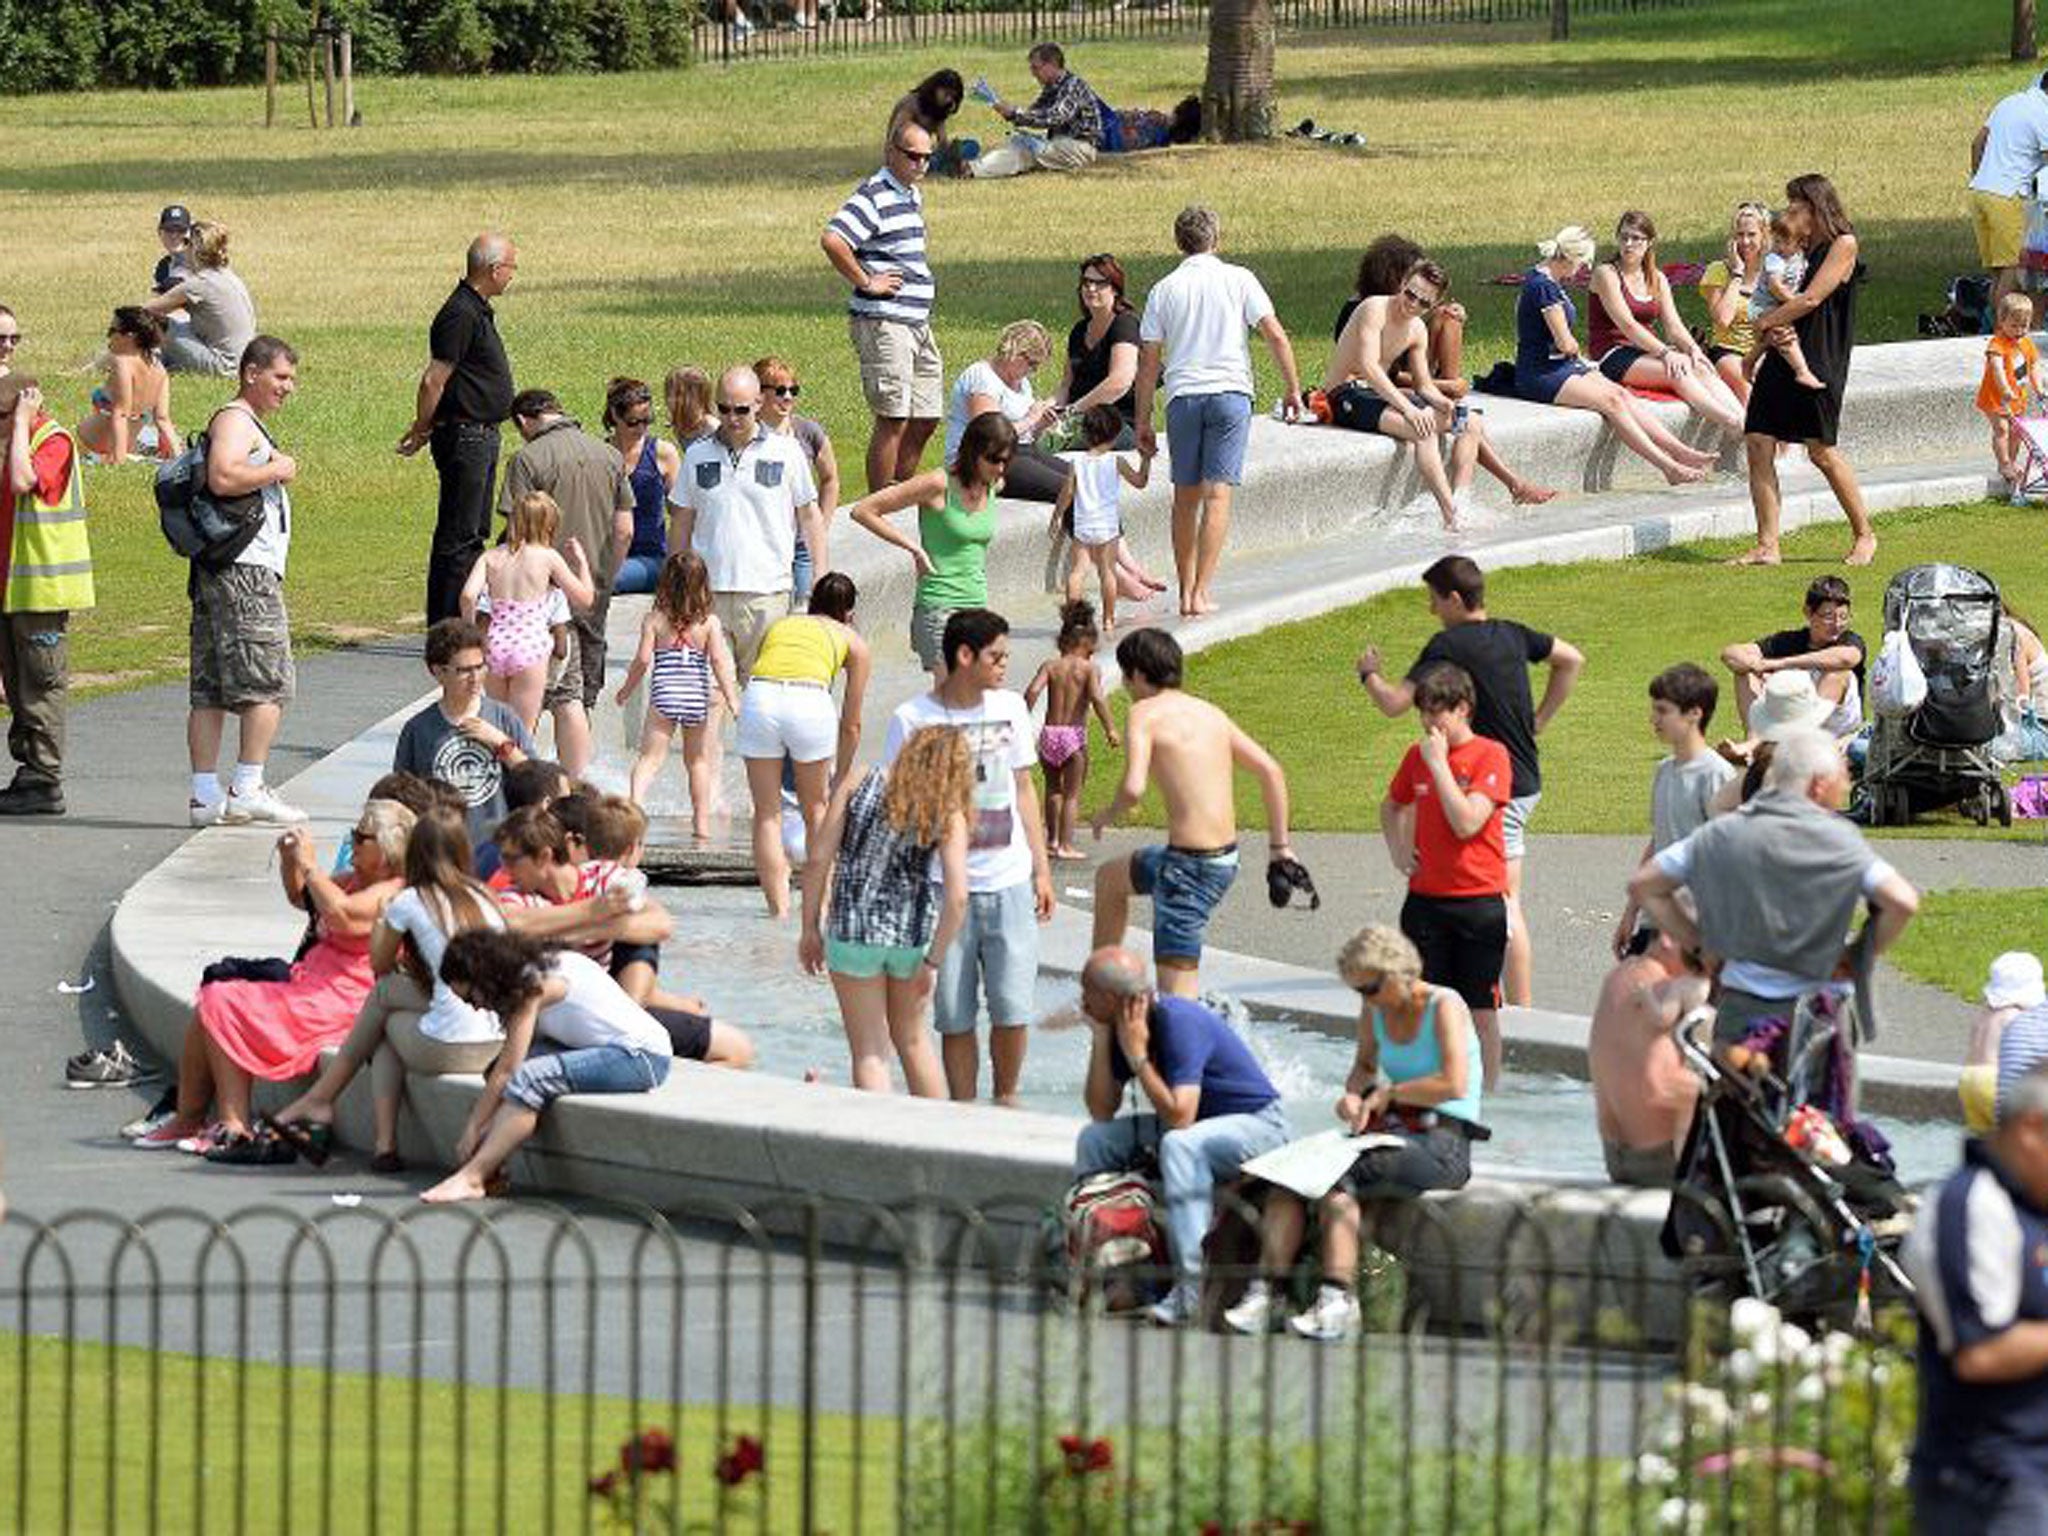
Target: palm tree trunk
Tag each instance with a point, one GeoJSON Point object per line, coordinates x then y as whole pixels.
{"type": "Point", "coordinates": [2024, 45]}
{"type": "Point", "coordinates": [1237, 95]}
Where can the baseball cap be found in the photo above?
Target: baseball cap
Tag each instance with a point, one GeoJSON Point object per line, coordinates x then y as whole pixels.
{"type": "Point", "coordinates": [177, 216]}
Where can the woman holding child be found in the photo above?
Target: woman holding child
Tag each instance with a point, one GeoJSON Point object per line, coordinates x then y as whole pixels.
{"type": "Point", "coordinates": [1821, 317]}
{"type": "Point", "coordinates": [1632, 300]}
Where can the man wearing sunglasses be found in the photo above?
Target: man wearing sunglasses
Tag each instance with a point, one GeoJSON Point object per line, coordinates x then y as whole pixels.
{"type": "Point", "coordinates": [876, 242]}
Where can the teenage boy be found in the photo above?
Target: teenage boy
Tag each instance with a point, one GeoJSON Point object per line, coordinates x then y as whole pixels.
{"type": "Point", "coordinates": [1442, 819]}
{"type": "Point", "coordinates": [1825, 648]}
{"type": "Point", "coordinates": [48, 577]}
{"type": "Point", "coordinates": [1009, 882]}
{"type": "Point", "coordinates": [1496, 654]}
{"type": "Point", "coordinates": [1682, 790]}
{"type": "Point", "coordinates": [462, 738]}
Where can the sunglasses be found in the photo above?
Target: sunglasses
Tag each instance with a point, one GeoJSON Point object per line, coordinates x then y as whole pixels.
{"type": "Point", "coordinates": [997, 459]}
{"type": "Point", "coordinates": [914, 156]}
{"type": "Point", "coordinates": [785, 391]}
{"type": "Point", "coordinates": [358, 835]}
{"type": "Point", "coordinates": [1369, 988]}
{"type": "Point", "coordinates": [639, 419]}
{"type": "Point", "coordinates": [10, 338]}
{"type": "Point", "coordinates": [1420, 301]}
{"type": "Point", "coordinates": [1096, 282]}
{"type": "Point", "coordinates": [734, 410]}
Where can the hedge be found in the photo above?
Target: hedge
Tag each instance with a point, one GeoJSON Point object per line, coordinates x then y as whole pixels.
{"type": "Point", "coordinates": [69, 45]}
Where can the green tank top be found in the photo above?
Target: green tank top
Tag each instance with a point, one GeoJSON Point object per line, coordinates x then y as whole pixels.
{"type": "Point", "coordinates": [957, 541]}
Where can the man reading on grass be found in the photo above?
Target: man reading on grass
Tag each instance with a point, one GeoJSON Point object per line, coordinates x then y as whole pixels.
{"type": "Point", "coordinates": [1190, 747]}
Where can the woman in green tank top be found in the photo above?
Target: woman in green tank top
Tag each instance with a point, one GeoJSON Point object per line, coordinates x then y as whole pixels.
{"type": "Point", "coordinates": [956, 522]}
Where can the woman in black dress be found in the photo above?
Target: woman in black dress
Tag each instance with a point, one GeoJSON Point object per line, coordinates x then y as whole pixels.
{"type": "Point", "coordinates": [1823, 316]}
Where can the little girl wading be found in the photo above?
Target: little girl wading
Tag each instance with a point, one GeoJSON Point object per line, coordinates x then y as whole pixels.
{"type": "Point", "coordinates": [1072, 687]}
{"type": "Point", "coordinates": [683, 641]}
{"type": "Point", "coordinates": [522, 591]}
{"type": "Point", "coordinates": [1092, 497]}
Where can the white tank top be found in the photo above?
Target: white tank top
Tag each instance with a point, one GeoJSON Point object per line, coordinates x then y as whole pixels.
{"type": "Point", "coordinates": [1097, 490]}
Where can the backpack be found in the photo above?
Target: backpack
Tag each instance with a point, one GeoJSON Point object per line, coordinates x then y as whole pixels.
{"type": "Point", "coordinates": [1111, 1237]}
{"type": "Point", "coordinates": [208, 530]}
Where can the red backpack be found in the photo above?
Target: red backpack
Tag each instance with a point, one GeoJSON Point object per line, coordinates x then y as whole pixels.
{"type": "Point", "coordinates": [1112, 1237]}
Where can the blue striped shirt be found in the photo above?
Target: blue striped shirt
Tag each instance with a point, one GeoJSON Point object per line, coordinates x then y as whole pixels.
{"type": "Point", "coordinates": [2022, 1046]}
{"type": "Point", "coordinates": [883, 222]}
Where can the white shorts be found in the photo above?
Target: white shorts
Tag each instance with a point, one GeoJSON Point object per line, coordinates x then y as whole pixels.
{"type": "Point", "coordinates": [797, 718]}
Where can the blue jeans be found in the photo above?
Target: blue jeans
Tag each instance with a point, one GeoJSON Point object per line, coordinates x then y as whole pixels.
{"type": "Point", "coordinates": [1951, 1499]}
{"type": "Point", "coordinates": [800, 572]}
{"type": "Point", "coordinates": [542, 1079]}
{"type": "Point", "coordinates": [1191, 1162]}
{"type": "Point", "coordinates": [996, 953]}
{"type": "Point", "coordinates": [638, 574]}
{"type": "Point", "coordinates": [1185, 889]}
{"type": "Point", "coordinates": [1206, 437]}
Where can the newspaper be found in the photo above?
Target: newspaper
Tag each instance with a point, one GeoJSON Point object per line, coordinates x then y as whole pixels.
{"type": "Point", "coordinates": [1312, 1166]}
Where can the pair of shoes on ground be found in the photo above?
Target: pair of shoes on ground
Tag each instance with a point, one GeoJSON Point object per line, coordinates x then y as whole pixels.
{"type": "Point", "coordinates": [112, 1068]}
{"type": "Point", "coordinates": [32, 797]}
{"type": "Point", "coordinates": [238, 809]}
{"type": "Point", "coordinates": [1333, 1316]}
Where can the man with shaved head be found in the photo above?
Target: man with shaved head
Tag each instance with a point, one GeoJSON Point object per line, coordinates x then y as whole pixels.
{"type": "Point", "coordinates": [1208, 1110]}
{"type": "Point", "coordinates": [464, 395]}
{"type": "Point", "coordinates": [744, 497]}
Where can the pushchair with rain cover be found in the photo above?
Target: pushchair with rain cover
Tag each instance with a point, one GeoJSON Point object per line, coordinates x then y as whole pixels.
{"type": "Point", "coordinates": [1782, 1193]}
{"type": "Point", "coordinates": [1940, 754]}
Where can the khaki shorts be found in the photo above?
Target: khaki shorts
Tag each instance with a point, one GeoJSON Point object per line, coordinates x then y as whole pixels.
{"type": "Point", "coordinates": [579, 677]}
{"type": "Point", "coordinates": [900, 372]}
{"type": "Point", "coordinates": [2000, 222]}
{"type": "Point", "coordinates": [747, 617]}
{"type": "Point", "coordinates": [241, 639]}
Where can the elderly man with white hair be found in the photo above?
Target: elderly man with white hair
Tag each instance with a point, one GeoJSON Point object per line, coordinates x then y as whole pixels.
{"type": "Point", "coordinates": [1776, 885]}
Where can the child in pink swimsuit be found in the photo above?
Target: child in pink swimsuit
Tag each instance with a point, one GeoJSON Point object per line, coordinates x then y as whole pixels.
{"type": "Point", "coordinates": [522, 590]}
{"type": "Point", "coordinates": [1072, 687]}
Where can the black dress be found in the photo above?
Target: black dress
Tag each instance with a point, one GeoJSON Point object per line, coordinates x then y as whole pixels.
{"type": "Point", "coordinates": [1781, 407]}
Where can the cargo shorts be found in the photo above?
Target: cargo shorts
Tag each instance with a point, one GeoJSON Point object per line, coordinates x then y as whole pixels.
{"type": "Point", "coordinates": [241, 638]}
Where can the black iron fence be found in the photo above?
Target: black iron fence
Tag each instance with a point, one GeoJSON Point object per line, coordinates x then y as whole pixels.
{"type": "Point", "coordinates": [524, 1367]}
{"type": "Point", "coordinates": [733, 30]}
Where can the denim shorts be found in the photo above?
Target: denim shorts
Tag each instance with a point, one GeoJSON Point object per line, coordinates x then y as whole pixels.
{"type": "Point", "coordinates": [1514, 823]}
{"type": "Point", "coordinates": [1185, 888]}
{"type": "Point", "coordinates": [1206, 437]}
{"type": "Point", "coordinates": [996, 953]}
{"type": "Point", "coordinates": [541, 1080]}
{"type": "Point", "coordinates": [863, 962]}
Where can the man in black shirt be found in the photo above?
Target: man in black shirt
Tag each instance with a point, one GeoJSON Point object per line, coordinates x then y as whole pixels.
{"type": "Point", "coordinates": [465, 393]}
{"type": "Point", "coordinates": [1498, 654]}
{"type": "Point", "coordinates": [1827, 649]}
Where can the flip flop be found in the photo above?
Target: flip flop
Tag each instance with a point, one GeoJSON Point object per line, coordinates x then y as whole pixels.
{"type": "Point", "coordinates": [252, 1150]}
{"type": "Point", "coordinates": [309, 1138]}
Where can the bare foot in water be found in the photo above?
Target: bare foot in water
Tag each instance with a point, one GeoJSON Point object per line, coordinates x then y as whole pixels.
{"type": "Point", "coordinates": [1760, 555]}
{"type": "Point", "coordinates": [1523, 494]}
{"type": "Point", "coordinates": [1862, 551]}
{"type": "Point", "coordinates": [1062, 854]}
{"type": "Point", "coordinates": [458, 1186]}
{"type": "Point", "coordinates": [1204, 603]}
{"type": "Point", "coordinates": [1685, 474]}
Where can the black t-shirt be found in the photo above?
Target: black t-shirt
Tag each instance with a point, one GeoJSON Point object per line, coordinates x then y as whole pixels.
{"type": "Point", "coordinates": [1344, 316]}
{"type": "Point", "coordinates": [1498, 653]}
{"type": "Point", "coordinates": [1800, 642]}
{"type": "Point", "coordinates": [465, 336]}
{"type": "Point", "coordinates": [1091, 364]}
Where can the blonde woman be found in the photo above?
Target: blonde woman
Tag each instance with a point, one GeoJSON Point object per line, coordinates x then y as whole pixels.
{"type": "Point", "coordinates": [1002, 382]}
{"type": "Point", "coordinates": [1550, 371]}
{"type": "Point", "coordinates": [1727, 286]}
{"type": "Point", "coordinates": [890, 924]}
{"type": "Point", "coordinates": [1415, 1077]}
{"type": "Point", "coordinates": [220, 316]}
{"type": "Point", "coordinates": [1632, 301]}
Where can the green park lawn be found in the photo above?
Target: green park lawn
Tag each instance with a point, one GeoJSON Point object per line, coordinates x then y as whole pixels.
{"type": "Point", "coordinates": [668, 218]}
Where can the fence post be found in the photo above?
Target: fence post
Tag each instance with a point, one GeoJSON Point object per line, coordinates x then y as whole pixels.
{"type": "Point", "coordinates": [270, 77]}
{"type": "Point", "coordinates": [813, 1256]}
{"type": "Point", "coordinates": [348, 78]}
{"type": "Point", "coordinates": [327, 72]}
{"type": "Point", "coordinates": [1560, 20]}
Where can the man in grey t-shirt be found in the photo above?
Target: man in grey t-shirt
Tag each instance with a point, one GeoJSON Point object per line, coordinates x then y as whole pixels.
{"type": "Point", "coordinates": [1682, 700]}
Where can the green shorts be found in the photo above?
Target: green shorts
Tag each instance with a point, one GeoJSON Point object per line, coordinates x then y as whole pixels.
{"type": "Point", "coordinates": [899, 962]}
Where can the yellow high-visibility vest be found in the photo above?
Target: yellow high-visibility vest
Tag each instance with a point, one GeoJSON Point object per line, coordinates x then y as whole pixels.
{"type": "Point", "coordinates": [50, 567]}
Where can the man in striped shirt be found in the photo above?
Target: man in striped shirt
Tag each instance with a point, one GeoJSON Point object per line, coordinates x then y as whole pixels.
{"type": "Point", "coordinates": [876, 243]}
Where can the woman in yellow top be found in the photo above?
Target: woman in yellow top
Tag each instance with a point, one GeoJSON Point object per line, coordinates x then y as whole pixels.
{"type": "Point", "coordinates": [1727, 286]}
{"type": "Point", "coordinates": [787, 713]}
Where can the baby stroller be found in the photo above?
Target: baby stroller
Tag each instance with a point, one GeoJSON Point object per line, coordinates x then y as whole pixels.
{"type": "Point", "coordinates": [1782, 1193]}
{"type": "Point", "coordinates": [1939, 754]}
{"type": "Point", "coordinates": [2030, 458]}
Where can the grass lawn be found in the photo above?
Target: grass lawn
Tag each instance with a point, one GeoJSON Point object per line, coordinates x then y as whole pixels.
{"type": "Point", "coordinates": [1957, 935]}
{"type": "Point", "coordinates": [672, 217]}
{"type": "Point", "coordinates": [1294, 687]}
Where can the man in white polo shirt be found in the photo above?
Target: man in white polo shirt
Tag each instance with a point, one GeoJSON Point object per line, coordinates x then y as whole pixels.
{"type": "Point", "coordinates": [743, 498]}
{"type": "Point", "coordinates": [2005, 157]}
{"type": "Point", "coordinates": [1197, 315]}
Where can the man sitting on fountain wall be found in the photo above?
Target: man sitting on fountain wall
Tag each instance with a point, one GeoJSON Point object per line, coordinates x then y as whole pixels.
{"type": "Point", "coordinates": [1212, 1108]}
{"type": "Point", "coordinates": [1190, 747]}
{"type": "Point", "coordinates": [1643, 1093]}
{"type": "Point", "coordinates": [1777, 884]}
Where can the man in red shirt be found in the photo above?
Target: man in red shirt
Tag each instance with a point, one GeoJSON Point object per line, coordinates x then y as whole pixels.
{"type": "Point", "coordinates": [1442, 822]}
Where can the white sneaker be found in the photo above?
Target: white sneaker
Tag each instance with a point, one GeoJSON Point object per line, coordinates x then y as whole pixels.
{"type": "Point", "coordinates": [1255, 1313]}
{"type": "Point", "coordinates": [204, 813]}
{"type": "Point", "coordinates": [258, 804]}
{"type": "Point", "coordinates": [1180, 1306]}
{"type": "Point", "coordinates": [1334, 1316]}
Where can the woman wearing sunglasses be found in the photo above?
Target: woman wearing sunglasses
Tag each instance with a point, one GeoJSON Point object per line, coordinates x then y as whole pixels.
{"type": "Point", "coordinates": [651, 468]}
{"type": "Point", "coordinates": [777, 411]}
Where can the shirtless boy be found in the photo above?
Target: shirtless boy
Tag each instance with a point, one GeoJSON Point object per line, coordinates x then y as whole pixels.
{"type": "Point", "coordinates": [1643, 1094]}
{"type": "Point", "coordinates": [1188, 747]}
{"type": "Point", "coordinates": [1390, 332]}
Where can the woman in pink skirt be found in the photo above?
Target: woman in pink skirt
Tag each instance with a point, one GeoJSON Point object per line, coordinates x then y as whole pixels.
{"type": "Point", "coordinates": [244, 1030]}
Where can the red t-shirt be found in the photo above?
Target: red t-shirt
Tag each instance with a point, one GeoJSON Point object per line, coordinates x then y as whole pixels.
{"type": "Point", "coordinates": [1446, 864]}
{"type": "Point", "coordinates": [52, 466]}
{"type": "Point", "coordinates": [592, 880]}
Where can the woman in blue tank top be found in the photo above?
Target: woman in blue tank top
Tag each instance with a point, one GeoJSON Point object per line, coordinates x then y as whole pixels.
{"type": "Point", "coordinates": [651, 467]}
{"type": "Point", "coordinates": [1415, 1077]}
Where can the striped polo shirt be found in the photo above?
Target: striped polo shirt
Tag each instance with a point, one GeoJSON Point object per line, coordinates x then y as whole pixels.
{"type": "Point", "coordinates": [883, 221]}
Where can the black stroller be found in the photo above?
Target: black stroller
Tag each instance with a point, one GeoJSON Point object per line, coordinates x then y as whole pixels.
{"type": "Point", "coordinates": [1781, 1192]}
{"type": "Point", "coordinates": [1940, 754]}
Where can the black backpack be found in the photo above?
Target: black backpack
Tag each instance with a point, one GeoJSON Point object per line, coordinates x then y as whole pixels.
{"type": "Point", "coordinates": [208, 530]}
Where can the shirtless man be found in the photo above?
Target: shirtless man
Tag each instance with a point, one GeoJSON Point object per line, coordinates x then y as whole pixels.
{"type": "Point", "coordinates": [1189, 746]}
{"type": "Point", "coordinates": [1643, 1093]}
{"type": "Point", "coordinates": [1389, 332]}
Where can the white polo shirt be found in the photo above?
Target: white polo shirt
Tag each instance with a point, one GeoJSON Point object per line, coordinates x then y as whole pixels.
{"type": "Point", "coordinates": [1200, 312]}
{"type": "Point", "coordinates": [2017, 145]}
{"type": "Point", "coordinates": [746, 505]}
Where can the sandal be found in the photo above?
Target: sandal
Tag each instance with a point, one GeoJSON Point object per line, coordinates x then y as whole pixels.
{"type": "Point", "coordinates": [309, 1138]}
{"type": "Point", "coordinates": [387, 1162]}
{"type": "Point", "coordinates": [498, 1186]}
{"type": "Point", "coordinates": [252, 1149]}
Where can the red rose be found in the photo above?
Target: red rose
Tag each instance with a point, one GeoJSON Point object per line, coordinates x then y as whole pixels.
{"type": "Point", "coordinates": [601, 1487]}
{"type": "Point", "coordinates": [741, 1462]}
{"type": "Point", "coordinates": [650, 1451]}
{"type": "Point", "coordinates": [1085, 1456]}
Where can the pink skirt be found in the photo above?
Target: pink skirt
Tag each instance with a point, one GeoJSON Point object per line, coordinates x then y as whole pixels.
{"type": "Point", "coordinates": [277, 1029]}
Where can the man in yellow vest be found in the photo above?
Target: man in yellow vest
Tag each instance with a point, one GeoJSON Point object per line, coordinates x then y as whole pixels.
{"type": "Point", "coordinates": [48, 575]}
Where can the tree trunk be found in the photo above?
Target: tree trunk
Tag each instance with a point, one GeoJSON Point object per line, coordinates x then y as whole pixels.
{"type": "Point", "coordinates": [1561, 20]}
{"type": "Point", "coordinates": [1237, 95]}
{"type": "Point", "coordinates": [2024, 45]}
